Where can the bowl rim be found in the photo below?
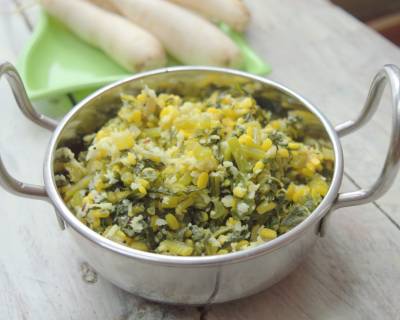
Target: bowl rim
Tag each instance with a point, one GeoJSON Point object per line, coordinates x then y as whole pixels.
{"type": "Point", "coordinates": [194, 261]}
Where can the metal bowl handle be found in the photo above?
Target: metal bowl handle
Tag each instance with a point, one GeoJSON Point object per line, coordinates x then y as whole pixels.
{"type": "Point", "coordinates": [391, 74]}
{"type": "Point", "coordinates": [6, 180]}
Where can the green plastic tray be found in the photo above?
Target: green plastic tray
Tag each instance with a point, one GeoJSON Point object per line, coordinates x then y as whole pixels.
{"type": "Point", "coordinates": [56, 62]}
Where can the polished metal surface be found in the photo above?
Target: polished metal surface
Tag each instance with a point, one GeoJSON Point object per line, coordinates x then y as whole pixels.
{"type": "Point", "coordinates": [11, 74]}
{"type": "Point", "coordinates": [188, 280]}
{"type": "Point", "coordinates": [197, 284]}
{"type": "Point", "coordinates": [389, 74]}
{"type": "Point", "coordinates": [196, 280]}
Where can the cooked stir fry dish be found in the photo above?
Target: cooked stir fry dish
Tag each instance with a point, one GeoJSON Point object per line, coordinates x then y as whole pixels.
{"type": "Point", "coordinates": [194, 176]}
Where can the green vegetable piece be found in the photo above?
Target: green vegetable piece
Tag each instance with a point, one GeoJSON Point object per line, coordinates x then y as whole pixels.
{"type": "Point", "coordinates": [238, 155]}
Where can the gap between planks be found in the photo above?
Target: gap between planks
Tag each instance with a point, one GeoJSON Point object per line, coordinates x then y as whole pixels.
{"type": "Point", "coordinates": [203, 312]}
{"type": "Point", "coordinates": [374, 203]}
{"type": "Point", "coordinates": [21, 10]}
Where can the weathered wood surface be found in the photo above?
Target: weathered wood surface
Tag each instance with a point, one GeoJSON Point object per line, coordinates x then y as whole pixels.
{"type": "Point", "coordinates": [317, 50]}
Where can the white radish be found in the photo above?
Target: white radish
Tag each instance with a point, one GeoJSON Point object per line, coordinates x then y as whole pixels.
{"type": "Point", "coordinates": [187, 36]}
{"type": "Point", "coordinates": [129, 45]}
{"type": "Point", "coordinates": [105, 4]}
{"type": "Point", "coordinates": [233, 12]}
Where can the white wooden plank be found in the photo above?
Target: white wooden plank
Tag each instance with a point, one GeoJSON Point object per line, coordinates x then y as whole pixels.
{"type": "Point", "coordinates": [350, 274]}
{"type": "Point", "coordinates": [12, 31]}
{"type": "Point", "coordinates": [28, 10]}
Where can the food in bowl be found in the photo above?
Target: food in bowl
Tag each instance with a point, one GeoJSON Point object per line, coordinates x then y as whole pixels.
{"type": "Point", "coordinates": [196, 175]}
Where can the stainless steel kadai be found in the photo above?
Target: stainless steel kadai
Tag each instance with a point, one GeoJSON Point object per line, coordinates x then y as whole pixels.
{"type": "Point", "coordinates": [208, 279]}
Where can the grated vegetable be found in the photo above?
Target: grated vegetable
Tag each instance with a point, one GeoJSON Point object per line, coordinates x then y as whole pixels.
{"type": "Point", "coordinates": [198, 176]}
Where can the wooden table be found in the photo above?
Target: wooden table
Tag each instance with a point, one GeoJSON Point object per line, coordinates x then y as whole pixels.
{"type": "Point", "coordinates": [352, 273]}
